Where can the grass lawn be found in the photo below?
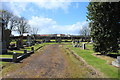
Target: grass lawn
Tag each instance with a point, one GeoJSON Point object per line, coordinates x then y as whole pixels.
{"type": "Point", "coordinates": [6, 56]}
{"type": "Point", "coordinates": [100, 64]}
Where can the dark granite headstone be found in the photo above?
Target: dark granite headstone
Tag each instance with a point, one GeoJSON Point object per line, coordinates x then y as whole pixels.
{"type": "Point", "coordinates": [3, 47]}
{"type": "Point", "coordinates": [18, 44]}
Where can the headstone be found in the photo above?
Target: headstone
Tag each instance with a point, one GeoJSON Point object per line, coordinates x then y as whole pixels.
{"type": "Point", "coordinates": [3, 47]}
{"type": "Point", "coordinates": [25, 51]}
{"type": "Point", "coordinates": [75, 43]}
{"type": "Point", "coordinates": [29, 41]}
{"type": "Point", "coordinates": [91, 40]}
{"type": "Point", "coordinates": [47, 40]}
{"type": "Point", "coordinates": [59, 40]}
{"type": "Point", "coordinates": [116, 62]}
{"type": "Point", "coordinates": [7, 34]}
{"type": "Point", "coordinates": [83, 45]}
{"type": "Point", "coordinates": [14, 57]}
{"type": "Point", "coordinates": [32, 49]}
{"type": "Point", "coordinates": [18, 43]}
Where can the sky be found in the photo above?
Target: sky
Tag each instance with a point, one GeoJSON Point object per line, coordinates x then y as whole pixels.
{"type": "Point", "coordinates": [50, 17]}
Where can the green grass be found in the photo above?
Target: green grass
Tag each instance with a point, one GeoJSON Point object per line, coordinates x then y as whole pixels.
{"type": "Point", "coordinates": [6, 56]}
{"type": "Point", "coordinates": [100, 64]}
{"type": "Point", "coordinates": [13, 42]}
{"type": "Point", "coordinates": [17, 51]}
{"type": "Point", "coordinates": [37, 46]}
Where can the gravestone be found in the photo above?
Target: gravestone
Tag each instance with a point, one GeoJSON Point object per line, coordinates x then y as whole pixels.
{"type": "Point", "coordinates": [116, 62]}
{"type": "Point", "coordinates": [91, 40]}
{"type": "Point", "coordinates": [33, 40]}
{"type": "Point", "coordinates": [7, 34]}
{"type": "Point", "coordinates": [29, 41]}
{"type": "Point", "coordinates": [18, 44]}
{"type": "Point", "coordinates": [83, 46]}
{"type": "Point", "coordinates": [59, 40]}
{"type": "Point", "coordinates": [3, 47]}
{"type": "Point", "coordinates": [14, 57]}
{"type": "Point", "coordinates": [75, 43]}
{"type": "Point", "coordinates": [47, 40]}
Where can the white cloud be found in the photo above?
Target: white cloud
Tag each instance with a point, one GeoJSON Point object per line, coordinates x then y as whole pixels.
{"type": "Point", "coordinates": [49, 26]}
{"type": "Point", "coordinates": [51, 0]}
{"type": "Point", "coordinates": [19, 7]}
{"type": "Point", "coordinates": [15, 7]}
{"type": "Point", "coordinates": [54, 5]}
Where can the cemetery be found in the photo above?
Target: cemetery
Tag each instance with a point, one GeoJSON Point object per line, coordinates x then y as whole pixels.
{"type": "Point", "coordinates": [81, 48]}
{"type": "Point", "coordinates": [28, 51]}
{"type": "Point", "coordinates": [19, 50]}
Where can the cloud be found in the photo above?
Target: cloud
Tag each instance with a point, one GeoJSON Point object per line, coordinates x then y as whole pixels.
{"type": "Point", "coordinates": [54, 5]}
{"type": "Point", "coordinates": [14, 7]}
{"type": "Point", "coordinates": [19, 6]}
{"type": "Point", "coordinates": [49, 26]}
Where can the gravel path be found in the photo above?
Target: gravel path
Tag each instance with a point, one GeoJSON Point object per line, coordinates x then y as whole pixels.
{"type": "Point", "coordinates": [51, 62]}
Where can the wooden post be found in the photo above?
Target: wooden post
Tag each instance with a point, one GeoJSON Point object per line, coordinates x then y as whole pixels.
{"type": "Point", "coordinates": [14, 57]}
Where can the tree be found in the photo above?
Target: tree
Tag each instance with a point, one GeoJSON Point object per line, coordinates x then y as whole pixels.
{"type": "Point", "coordinates": [6, 16]}
{"type": "Point", "coordinates": [104, 24]}
{"type": "Point", "coordinates": [10, 20]}
{"type": "Point", "coordinates": [34, 31]}
{"type": "Point", "coordinates": [22, 26]}
{"type": "Point", "coordinates": [85, 31]}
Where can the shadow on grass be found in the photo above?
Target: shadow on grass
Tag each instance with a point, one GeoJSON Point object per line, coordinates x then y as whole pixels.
{"type": "Point", "coordinates": [6, 59]}
{"type": "Point", "coordinates": [110, 55]}
{"type": "Point", "coordinates": [9, 53]}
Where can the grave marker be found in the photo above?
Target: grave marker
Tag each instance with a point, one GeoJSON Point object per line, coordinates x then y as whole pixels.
{"type": "Point", "coordinates": [75, 43]}
{"type": "Point", "coordinates": [3, 47]}
{"type": "Point", "coordinates": [116, 62]}
{"type": "Point", "coordinates": [18, 43]}
{"type": "Point", "coordinates": [14, 57]}
{"type": "Point", "coordinates": [29, 41]}
{"type": "Point", "coordinates": [83, 45]}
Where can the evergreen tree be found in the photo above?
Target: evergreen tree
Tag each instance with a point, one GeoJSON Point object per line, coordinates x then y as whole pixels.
{"type": "Point", "coordinates": [104, 20]}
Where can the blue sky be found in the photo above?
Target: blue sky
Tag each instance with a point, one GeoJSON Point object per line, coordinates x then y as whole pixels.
{"type": "Point", "coordinates": [51, 17]}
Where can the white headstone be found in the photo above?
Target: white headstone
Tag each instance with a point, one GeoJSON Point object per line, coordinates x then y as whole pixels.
{"type": "Point", "coordinates": [116, 62]}
{"type": "Point", "coordinates": [83, 45]}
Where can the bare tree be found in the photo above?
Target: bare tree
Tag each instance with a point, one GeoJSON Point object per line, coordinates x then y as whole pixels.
{"type": "Point", "coordinates": [6, 16]}
{"type": "Point", "coordinates": [10, 20]}
{"type": "Point", "coordinates": [22, 26]}
{"type": "Point", "coordinates": [85, 31]}
{"type": "Point", "coordinates": [34, 31]}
